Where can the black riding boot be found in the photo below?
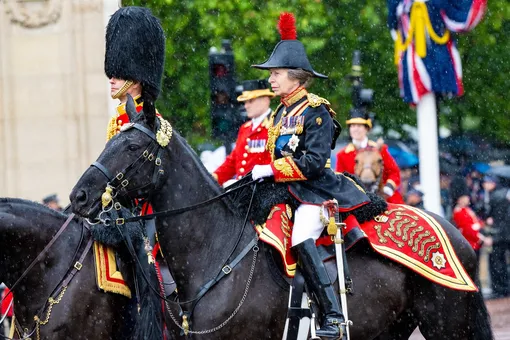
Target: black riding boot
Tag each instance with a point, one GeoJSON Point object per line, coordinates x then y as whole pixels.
{"type": "Point", "coordinates": [319, 283]}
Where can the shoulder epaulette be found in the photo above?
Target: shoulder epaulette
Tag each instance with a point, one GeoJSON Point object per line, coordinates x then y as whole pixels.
{"type": "Point", "coordinates": [316, 101]}
{"type": "Point", "coordinates": [373, 144]}
{"type": "Point", "coordinates": [111, 130]}
{"type": "Point", "coordinates": [247, 124]}
{"type": "Point", "coordinates": [350, 148]}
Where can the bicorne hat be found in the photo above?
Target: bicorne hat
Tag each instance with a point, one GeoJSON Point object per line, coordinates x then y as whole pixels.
{"type": "Point", "coordinates": [359, 116]}
{"type": "Point", "coordinates": [289, 52]}
{"type": "Point", "coordinates": [255, 88]}
{"type": "Point", "coordinates": [50, 198]}
{"type": "Point", "coordinates": [135, 48]}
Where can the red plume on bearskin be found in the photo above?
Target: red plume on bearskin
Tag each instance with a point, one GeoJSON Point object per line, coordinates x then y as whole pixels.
{"type": "Point", "coordinates": [287, 26]}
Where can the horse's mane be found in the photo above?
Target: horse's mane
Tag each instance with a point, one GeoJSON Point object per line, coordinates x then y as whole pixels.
{"type": "Point", "coordinates": [197, 162]}
{"type": "Point", "coordinates": [202, 170]}
{"type": "Point", "coordinates": [38, 206]}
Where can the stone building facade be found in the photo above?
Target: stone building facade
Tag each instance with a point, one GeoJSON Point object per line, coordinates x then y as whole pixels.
{"type": "Point", "coordinates": [54, 95]}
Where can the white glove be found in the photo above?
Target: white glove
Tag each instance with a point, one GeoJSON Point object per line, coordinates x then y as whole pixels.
{"type": "Point", "coordinates": [261, 171]}
{"type": "Point", "coordinates": [388, 190]}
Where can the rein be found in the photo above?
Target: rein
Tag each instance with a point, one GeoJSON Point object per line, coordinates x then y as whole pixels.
{"type": "Point", "coordinates": [42, 253]}
{"type": "Point", "coordinates": [121, 179]}
{"type": "Point", "coordinates": [226, 267]}
{"type": "Point", "coordinates": [59, 291]}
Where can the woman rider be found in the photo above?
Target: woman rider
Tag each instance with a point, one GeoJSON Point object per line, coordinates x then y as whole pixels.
{"type": "Point", "coordinates": [300, 139]}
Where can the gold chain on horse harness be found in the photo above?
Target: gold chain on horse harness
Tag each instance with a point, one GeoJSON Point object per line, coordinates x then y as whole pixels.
{"type": "Point", "coordinates": [23, 332]}
{"type": "Point", "coordinates": [52, 302]}
{"type": "Point", "coordinates": [185, 325]}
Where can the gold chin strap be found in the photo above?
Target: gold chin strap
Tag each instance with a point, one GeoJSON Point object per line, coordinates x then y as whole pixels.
{"type": "Point", "coordinates": [123, 89]}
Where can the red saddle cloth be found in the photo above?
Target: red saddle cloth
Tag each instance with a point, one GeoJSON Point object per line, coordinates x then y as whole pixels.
{"type": "Point", "coordinates": [402, 233]}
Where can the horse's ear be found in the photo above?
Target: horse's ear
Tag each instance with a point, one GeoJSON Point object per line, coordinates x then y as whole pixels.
{"type": "Point", "coordinates": [380, 142]}
{"type": "Point", "coordinates": [131, 108]}
{"type": "Point", "coordinates": [149, 110]}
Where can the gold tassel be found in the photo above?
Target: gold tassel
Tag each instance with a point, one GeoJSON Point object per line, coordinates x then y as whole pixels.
{"type": "Point", "coordinates": [398, 48]}
{"type": "Point", "coordinates": [185, 325]}
{"type": "Point", "coordinates": [106, 197]}
{"type": "Point", "coordinates": [418, 20]}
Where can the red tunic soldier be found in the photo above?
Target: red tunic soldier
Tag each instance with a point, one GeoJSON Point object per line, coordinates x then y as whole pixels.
{"type": "Point", "coordinates": [250, 147]}
{"type": "Point", "coordinates": [465, 218]}
{"type": "Point", "coordinates": [359, 125]}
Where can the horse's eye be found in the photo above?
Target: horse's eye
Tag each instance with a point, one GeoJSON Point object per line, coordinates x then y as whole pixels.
{"type": "Point", "coordinates": [133, 147]}
{"type": "Point", "coordinates": [379, 161]}
{"type": "Point", "coordinates": [356, 161]}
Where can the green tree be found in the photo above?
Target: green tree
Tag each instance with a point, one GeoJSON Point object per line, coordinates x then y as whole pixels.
{"type": "Point", "coordinates": [331, 31]}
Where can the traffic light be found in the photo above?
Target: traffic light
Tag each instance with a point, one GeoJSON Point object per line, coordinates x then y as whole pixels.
{"type": "Point", "coordinates": [224, 106]}
{"type": "Point", "coordinates": [362, 98]}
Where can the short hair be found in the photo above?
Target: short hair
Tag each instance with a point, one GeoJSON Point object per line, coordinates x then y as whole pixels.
{"type": "Point", "coordinates": [304, 77]}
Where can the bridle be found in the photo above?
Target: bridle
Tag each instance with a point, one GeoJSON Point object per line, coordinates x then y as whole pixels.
{"type": "Point", "coordinates": [117, 186]}
{"type": "Point", "coordinates": [43, 315]}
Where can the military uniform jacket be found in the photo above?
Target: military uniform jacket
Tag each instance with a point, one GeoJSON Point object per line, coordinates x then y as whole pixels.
{"type": "Point", "coordinates": [249, 151]}
{"type": "Point", "coordinates": [299, 141]}
{"type": "Point", "coordinates": [469, 225]}
{"type": "Point", "coordinates": [121, 118]}
{"type": "Point", "coordinates": [345, 161]}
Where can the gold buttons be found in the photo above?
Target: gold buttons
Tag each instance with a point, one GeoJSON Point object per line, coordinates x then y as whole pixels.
{"type": "Point", "coordinates": [246, 147]}
{"type": "Point", "coordinates": [259, 129]}
{"type": "Point", "coordinates": [247, 139]}
{"type": "Point", "coordinates": [243, 162]}
{"type": "Point", "coordinates": [245, 155]}
{"type": "Point", "coordinates": [241, 170]}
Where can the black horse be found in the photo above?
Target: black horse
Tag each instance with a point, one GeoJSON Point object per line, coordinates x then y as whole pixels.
{"type": "Point", "coordinates": [80, 311]}
{"type": "Point", "coordinates": [389, 301]}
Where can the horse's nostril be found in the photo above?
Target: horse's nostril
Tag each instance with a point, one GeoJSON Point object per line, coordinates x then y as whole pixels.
{"type": "Point", "coordinates": [81, 196]}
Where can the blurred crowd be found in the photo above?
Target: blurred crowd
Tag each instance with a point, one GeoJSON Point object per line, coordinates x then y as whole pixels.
{"type": "Point", "coordinates": [477, 202]}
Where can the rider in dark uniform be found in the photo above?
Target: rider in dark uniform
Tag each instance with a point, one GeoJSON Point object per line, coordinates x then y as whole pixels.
{"type": "Point", "coordinates": [300, 140]}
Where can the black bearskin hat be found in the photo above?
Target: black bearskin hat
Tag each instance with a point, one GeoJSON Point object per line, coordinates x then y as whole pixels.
{"type": "Point", "coordinates": [135, 48]}
{"type": "Point", "coordinates": [289, 52]}
{"type": "Point", "coordinates": [458, 188]}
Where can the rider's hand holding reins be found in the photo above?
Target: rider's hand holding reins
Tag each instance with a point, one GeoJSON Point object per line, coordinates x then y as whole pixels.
{"type": "Point", "coordinates": [261, 171]}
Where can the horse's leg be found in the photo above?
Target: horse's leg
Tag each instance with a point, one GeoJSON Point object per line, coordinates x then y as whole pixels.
{"type": "Point", "coordinates": [401, 329]}
{"type": "Point", "coordinates": [447, 314]}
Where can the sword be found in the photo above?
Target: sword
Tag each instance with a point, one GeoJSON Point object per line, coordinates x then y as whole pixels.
{"type": "Point", "coordinates": [335, 228]}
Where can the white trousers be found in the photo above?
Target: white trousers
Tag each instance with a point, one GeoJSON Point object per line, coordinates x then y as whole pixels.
{"type": "Point", "coordinates": [307, 223]}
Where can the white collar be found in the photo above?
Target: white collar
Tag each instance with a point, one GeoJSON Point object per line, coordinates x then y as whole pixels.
{"type": "Point", "coordinates": [255, 122]}
{"type": "Point", "coordinates": [360, 144]}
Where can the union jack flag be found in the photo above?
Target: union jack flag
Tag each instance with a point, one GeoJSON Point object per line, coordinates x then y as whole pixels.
{"type": "Point", "coordinates": [425, 51]}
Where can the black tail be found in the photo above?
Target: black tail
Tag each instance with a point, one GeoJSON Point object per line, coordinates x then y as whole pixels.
{"type": "Point", "coordinates": [481, 320]}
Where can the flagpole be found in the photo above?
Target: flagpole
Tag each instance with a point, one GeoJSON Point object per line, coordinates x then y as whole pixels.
{"type": "Point", "coordinates": [428, 153]}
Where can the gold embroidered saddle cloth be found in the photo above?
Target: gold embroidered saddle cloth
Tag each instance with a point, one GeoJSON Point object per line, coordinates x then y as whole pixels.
{"type": "Point", "coordinates": [108, 277]}
{"type": "Point", "coordinates": [402, 233]}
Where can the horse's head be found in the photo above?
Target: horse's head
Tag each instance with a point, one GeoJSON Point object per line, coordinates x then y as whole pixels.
{"type": "Point", "coordinates": [368, 167]}
{"type": "Point", "coordinates": [129, 167]}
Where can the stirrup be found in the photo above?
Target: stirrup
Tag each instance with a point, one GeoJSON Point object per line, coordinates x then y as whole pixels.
{"type": "Point", "coordinates": [313, 336]}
